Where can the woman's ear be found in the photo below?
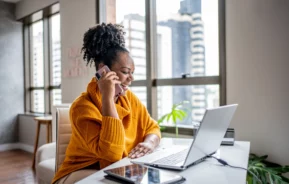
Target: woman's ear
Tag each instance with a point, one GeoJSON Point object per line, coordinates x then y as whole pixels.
{"type": "Point", "coordinates": [100, 65]}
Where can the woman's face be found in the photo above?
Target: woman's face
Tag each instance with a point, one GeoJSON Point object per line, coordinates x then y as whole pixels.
{"type": "Point", "coordinates": [124, 68]}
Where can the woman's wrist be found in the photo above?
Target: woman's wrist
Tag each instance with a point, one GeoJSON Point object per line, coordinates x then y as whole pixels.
{"type": "Point", "coordinates": [152, 139]}
{"type": "Point", "coordinates": [108, 107]}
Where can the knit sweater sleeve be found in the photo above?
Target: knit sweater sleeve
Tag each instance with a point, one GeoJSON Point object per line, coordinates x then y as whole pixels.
{"type": "Point", "coordinates": [149, 125]}
{"type": "Point", "coordinates": [101, 135]}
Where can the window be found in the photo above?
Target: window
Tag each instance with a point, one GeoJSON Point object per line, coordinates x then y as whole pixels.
{"type": "Point", "coordinates": [42, 60]}
{"type": "Point", "coordinates": [178, 49]}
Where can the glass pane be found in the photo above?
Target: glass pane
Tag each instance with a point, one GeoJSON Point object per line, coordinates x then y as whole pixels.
{"type": "Point", "coordinates": [38, 101]}
{"type": "Point", "coordinates": [56, 96]}
{"type": "Point", "coordinates": [131, 14]}
{"type": "Point", "coordinates": [198, 99]}
{"type": "Point", "coordinates": [37, 54]}
{"type": "Point", "coordinates": [141, 93]}
{"type": "Point", "coordinates": [187, 38]}
{"type": "Point", "coordinates": [55, 51]}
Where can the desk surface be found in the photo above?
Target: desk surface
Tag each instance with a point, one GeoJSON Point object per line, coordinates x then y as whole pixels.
{"type": "Point", "coordinates": [208, 171]}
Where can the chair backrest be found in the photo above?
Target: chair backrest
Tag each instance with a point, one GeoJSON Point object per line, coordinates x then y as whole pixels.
{"type": "Point", "coordinates": [63, 134]}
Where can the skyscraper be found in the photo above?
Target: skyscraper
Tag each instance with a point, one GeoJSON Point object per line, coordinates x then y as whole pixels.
{"type": "Point", "coordinates": [189, 54]}
{"type": "Point", "coordinates": [185, 54]}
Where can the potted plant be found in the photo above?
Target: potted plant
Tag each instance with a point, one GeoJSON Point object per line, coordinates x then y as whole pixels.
{"type": "Point", "coordinates": [175, 114]}
{"type": "Point", "coordinates": [267, 172]}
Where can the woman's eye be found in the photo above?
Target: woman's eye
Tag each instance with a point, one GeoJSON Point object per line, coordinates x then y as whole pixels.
{"type": "Point", "coordinates": [124, 72]}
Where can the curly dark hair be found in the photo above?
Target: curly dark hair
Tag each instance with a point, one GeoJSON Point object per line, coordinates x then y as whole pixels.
{"type": "Point", "coordinates": [102, 43]}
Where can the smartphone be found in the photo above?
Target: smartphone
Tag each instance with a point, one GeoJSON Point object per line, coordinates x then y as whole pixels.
{"type": "Point", "coordinates": [118, 89]}
{"type": "Point", "coordinates": [140, 174]}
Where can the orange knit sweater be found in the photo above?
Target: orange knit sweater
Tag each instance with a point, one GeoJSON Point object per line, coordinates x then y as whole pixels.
{"type": "Point", "coordinates": [96, 138]}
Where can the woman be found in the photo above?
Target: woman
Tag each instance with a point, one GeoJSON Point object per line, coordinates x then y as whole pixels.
{"type": "Point", "coordinates": [106, 128]}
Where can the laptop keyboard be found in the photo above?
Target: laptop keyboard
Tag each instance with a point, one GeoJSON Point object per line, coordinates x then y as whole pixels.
{"type": "Point", "coordinates": [173, 159]}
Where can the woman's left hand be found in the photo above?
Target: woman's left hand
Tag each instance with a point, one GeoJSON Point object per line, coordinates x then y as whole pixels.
{"type": "Point", "coordinates": [141, 149]}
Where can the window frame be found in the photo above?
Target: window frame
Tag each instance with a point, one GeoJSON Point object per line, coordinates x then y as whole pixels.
{"type": "Point", "coordinates": [45, 16]}
{"type": "Point", "coordinates": [152, 82]}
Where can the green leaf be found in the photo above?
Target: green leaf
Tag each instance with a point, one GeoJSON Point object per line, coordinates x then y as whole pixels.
{"type": "Point", "coordinates": [268, 172]}
{"type": "Point", "coordinates": [255, 160]}
{"type": "Point", "coordinates": [271, 179]}
{"type": "Point", "coordinates": [263, 178]}
{"type": "Point", "coordinates": [162, 128]}
{"type": "Point", "coordinates": [180, 113]}
{"type": "Point", "coordinates": [168, 117]}
{"type": "Point", "coordinates": [174, 119]}
{"type": "Point", "coordinates": [279, 170]}
{"type": "Point", "coordinates": [249, 179]}
{"type": "Point", "coordinates": [262, 175]}
{"type": "Point", "coordinates": [252, 156]}
{"type": "Point", "coordinates": [161, 119]}
{"type": "Point", "coordinates": [183, 113]}
{"type": "Point", "coordinates": [259, 164]}
{"type": "Point", "coordinates": [176, 115]}
{"type": "Point", "coordinates": [174, 106]}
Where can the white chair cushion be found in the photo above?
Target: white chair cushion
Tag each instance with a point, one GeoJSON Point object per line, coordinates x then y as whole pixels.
{"type": "Point", "coordinates": [46, 151]}
{"type": "Point", "coordinates": [45, 170]}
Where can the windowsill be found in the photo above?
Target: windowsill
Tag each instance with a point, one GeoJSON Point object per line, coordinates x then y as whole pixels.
{"type": "Point", "coordinates": [33, 114]}
{"type": "Point", "coordinates": [186, 130]}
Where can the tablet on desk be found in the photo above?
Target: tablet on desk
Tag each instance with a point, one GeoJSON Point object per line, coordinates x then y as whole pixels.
{"type": "Point", "coordinates": [140, 174]}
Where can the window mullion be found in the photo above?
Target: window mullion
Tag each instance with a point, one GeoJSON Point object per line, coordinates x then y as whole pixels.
{"type": "Point", "coordinates": [27, 71]}
{"type": "Point", "coordinates": [205, 80]}
{"type": "Point", "coordinates": [151, 46]}
{"type": "Point", "coordinates": [46, 60]}
{"type": "Point", "coordinates": [31, 66]}
{"type": "Point", "coordinates": [222, 51]}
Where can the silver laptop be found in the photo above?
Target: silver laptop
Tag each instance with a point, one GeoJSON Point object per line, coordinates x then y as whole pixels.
{"type": "Point", "coordinates": [207, 141]}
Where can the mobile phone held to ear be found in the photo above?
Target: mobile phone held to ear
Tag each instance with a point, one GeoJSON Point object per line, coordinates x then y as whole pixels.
{"type": "Point", "coordinates": [118, 89]}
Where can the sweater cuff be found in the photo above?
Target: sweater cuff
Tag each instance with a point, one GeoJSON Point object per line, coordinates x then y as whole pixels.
{"type": "Point", "coordinates": [112, 130]}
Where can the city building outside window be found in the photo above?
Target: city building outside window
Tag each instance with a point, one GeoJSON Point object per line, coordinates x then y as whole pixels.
{"type": "Point", "coordinates": [177, 47]}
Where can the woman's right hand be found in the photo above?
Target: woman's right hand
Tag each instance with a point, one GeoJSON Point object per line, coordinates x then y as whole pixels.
{"type": "Point", "coordinates": [106, 84]}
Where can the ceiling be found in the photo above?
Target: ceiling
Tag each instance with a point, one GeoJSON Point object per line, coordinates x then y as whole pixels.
{"type": "Point", "coordinates": [11, 1]}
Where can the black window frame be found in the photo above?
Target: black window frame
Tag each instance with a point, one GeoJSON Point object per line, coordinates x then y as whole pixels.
{"type": "Point", "coordinates": [45, 16]}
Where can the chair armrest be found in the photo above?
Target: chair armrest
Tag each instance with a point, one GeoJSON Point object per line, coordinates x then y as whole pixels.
{"type": "Point", "coordinates": [46, 151]}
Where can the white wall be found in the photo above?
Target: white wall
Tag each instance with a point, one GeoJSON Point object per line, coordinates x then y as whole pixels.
{"type": "Point", "coordinates": [257, 74]}
{"type": "Point", "coordinates": [27, 132]}
{"type": "Point", "coordinates": [27, 7]}
{"type": "Point", "coordinates": [11, 62]}
{"type": "Point", "coordinates": [76, 18]}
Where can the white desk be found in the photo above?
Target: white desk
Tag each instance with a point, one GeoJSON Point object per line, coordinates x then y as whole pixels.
{"type": "Point", "coordinates": [207, 172]}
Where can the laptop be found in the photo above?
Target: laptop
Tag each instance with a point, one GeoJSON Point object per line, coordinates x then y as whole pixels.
{"type": "Point", "coordinates": [206, 142]}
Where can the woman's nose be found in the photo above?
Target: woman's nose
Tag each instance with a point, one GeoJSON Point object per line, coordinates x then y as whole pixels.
{"type": "Point", "coordinates": [131, 78]}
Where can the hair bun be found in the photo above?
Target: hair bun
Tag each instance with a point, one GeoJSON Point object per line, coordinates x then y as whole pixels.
{"type": "Point", "coordinates": [99, 39]}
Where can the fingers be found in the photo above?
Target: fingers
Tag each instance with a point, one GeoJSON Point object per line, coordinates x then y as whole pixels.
{"type": "Point", "coordinates": [110, 75]}
{"type": "Point", "coordinates": [140, 150]}
{"type": "Point", "coordinates": [136, 154]}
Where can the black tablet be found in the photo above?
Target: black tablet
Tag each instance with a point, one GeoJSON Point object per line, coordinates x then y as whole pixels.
{"type": "Point", "coordinates": [140, 174]}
